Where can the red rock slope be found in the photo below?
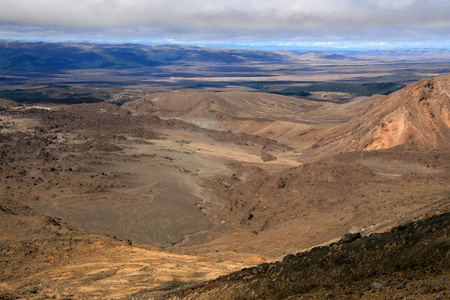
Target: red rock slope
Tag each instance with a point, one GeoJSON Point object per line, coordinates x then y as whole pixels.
{"type": "Point", "coordinates": [418, 114]}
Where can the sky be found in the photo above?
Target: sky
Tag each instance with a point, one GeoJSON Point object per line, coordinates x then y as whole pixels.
{"type": "Point", "coordinates": [263, 24]}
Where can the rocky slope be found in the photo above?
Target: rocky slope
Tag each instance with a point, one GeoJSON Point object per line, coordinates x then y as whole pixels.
{"type": "Point", "coordinates": [316, 202]}
{"type": "Point", "coordinates": [291, 120]}
{"type": "Point", "coordinates": [418, 114]}
{"type": "Point", "coordinates": [411, 260]}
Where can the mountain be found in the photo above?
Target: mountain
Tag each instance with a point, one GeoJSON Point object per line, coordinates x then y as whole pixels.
{"type": "Point", "coordinates": [418, 114]}
{"type": "Point", "coordinates": [16, 55]}
{"type": "Point", "coordinates": [40, 56]}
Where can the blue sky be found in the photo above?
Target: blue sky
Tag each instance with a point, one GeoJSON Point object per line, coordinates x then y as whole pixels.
{"type": "Point", "coordinates": [264, 24]}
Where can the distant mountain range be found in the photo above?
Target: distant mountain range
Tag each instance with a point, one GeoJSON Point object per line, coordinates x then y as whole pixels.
{"type": "Point", "coordinates": [39, 56]}
{"type": "Point", "coordinates": [15, 55]}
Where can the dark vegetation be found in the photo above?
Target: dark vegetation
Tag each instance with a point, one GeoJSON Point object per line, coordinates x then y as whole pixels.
{"type": "Point", "coordinates": [364, 89]}
{"type": "Point", "coordinates": [263, 85]}
{"type": "Point", "coordinates": [61, 94]}
{"type": "Point", "coordinates": [68, 94]}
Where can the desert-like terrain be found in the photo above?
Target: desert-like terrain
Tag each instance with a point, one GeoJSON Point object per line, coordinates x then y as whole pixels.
{"type": "Point", "coordinates": [139, 198]}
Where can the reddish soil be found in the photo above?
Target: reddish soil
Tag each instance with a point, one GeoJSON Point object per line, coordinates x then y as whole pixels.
{"type": "Point", "coordinates": [417, 115]}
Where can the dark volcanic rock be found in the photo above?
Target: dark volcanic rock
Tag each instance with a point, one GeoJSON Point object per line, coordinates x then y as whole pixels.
{"type": "Point", "coordinates": [350, 237]}
{"type": "Point", "coordinates": [355, 265]}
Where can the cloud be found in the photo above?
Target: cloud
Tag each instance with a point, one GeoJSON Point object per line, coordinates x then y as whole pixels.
{"type": "Point", "coordinates": [233, 19]}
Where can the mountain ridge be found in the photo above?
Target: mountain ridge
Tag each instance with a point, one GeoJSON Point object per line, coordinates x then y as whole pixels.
{"type": "Point", "coordinates": [43, 56]}
{"type": "Point", "coordinates": [40, 56]}
{"type": "Point", "coordinates": [418, 114]}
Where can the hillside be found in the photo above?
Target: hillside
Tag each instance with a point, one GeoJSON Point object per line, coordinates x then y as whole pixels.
{"type": "Point", "coordinates": [227, 110]}
{"type": "Point", "coordinates": [409, 261]}
{"type": "Point", "coordinates": [418, 114]}
{"type": "Point", "coordinates": [289, 120]}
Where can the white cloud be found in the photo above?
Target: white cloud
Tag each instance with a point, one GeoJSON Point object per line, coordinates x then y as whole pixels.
{"type": "Point", "coordinates": [233, 19]}
{"type": "Point", "coordinates": [395, 4]}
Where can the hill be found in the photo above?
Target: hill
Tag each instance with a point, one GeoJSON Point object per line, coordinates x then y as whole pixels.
{"type": "Point", "coordinates": [226, 110]}
{"type": "Point", "coordinates": [418, 114]}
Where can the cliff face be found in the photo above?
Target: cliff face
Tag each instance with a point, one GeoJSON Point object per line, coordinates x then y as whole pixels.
{"type": "Point", "coordinates": [418, 114]}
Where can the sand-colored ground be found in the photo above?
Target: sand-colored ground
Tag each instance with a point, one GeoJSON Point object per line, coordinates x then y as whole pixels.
{"type": "Point", "coordinates": [149, 197]}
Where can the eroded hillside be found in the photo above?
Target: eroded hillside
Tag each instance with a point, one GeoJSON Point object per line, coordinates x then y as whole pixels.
{"type": "Point", "coordinates": [417, 115]}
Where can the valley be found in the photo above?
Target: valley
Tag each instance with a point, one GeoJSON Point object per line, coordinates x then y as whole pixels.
{"type": "Point", "coordinates": [146, 188]}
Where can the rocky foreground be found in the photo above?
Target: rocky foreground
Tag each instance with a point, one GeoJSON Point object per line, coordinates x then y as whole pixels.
{"type": "Point", "coordinates": [411, 261]}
